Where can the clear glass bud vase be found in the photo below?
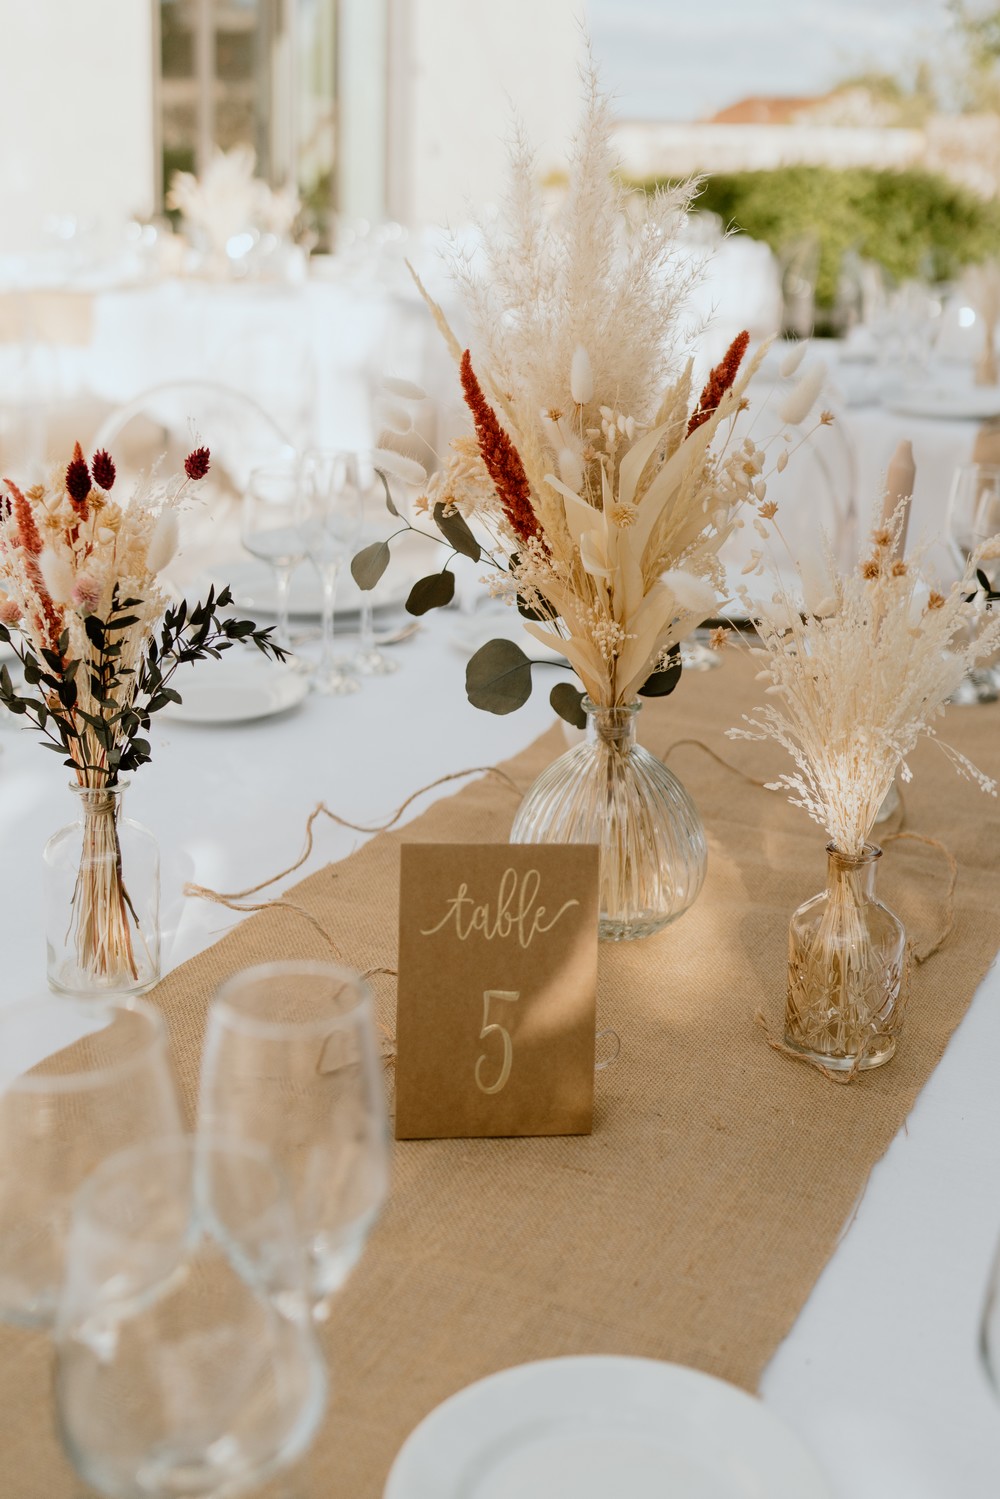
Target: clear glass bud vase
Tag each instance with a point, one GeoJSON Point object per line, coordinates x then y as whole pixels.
{"type": "Point", "coordinates": [612, 792]}
{"type": "Point", "coordinates": [102, 899]}
{"type": "Point", "coordinates": [846, 967]}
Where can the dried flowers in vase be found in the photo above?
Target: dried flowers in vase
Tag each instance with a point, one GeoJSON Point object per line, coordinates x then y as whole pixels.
{"type": "Point", "coordinates": [99, 642]}
{"type": "Point", "coordinates": [601, 486]}
{"type": "Point", "coordinates": [857, 670]}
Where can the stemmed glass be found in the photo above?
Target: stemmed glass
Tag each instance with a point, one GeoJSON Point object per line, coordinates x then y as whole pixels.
{"type": "Point", "coordinates": [332, 527]}
{"type": "Point", "coordinates": [273, 528]}
{"type": "Point", "coordinates": [291, 1062]}
{"type": "Point", "coordinates": [77, 1083]}
{"type": "Point", "coordinates": [186, 1359]}
{"type": "Point", "coordinates": [369, 660]}
{"type": "Point", "coordinates": [973, 517]}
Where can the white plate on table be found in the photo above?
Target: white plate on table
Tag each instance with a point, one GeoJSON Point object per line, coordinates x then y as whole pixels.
{"type": "Point", "coordinates": [947, 402]}
{"type": "Point", "coordinates": [472, 631]}
{"type": "Point", "coordinates": [592, 1428]}
{"type": "Point", "coordinates": [253, 587]}
{"type": "Point", "coordinates": [235, 689]}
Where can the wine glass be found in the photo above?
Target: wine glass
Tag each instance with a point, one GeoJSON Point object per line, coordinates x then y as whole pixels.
{"type": "Point", "coordinates": [291, 1062]}
{"type": "Point", "coordinates": [273, 528]}
{"type": "Point", "coordinates": [332, 527]}
{"type": "Point", "coordinates": [369, 659]}
{"type": "Point", "coordinates": [186, 1360]}
{"type": "Point", "coordinates": [973, 517]}
{"type": "Point", "coordinates": [77, 1083]}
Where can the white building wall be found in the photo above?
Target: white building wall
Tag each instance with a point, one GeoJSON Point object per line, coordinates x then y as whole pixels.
{"type": "Point", "coordinates": [459, 71]}
{"type": "Point", "coordinates": [76, 97]}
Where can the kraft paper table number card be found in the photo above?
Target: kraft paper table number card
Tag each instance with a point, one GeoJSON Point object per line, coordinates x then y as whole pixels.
{"type": "Point", "coordinates": [497, 990]}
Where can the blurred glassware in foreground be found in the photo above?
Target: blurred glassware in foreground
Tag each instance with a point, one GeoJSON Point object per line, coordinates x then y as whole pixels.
{"type": "Point", "coordinates": [186, 1362]}
{"type": "Point", "coordinates": [77, 1084]}
{"type": "Point", "coordinates": [333, 504]}
{"type": "Point", "coordinates": [291, 1061]}
{"type": "Point", "coordinates": [273, 528]}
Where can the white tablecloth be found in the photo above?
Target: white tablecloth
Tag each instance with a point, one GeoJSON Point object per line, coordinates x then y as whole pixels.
{"type": "Point", "coordinates": [879, 1375]}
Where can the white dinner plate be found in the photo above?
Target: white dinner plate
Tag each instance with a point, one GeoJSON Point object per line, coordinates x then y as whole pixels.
{"type": "Point", "coordinates": [471, 631]}
{"type": "Point", "coordinates": [948, 402]}
{"type": "Point", "coordinates": [598, 1427]}
{"type": "Point", "coordinates": [253, 588]}
{"type": "Point", "coordinates": [235, 689]}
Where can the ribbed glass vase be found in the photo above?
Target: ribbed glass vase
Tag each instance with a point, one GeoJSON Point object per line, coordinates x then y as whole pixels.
{"type": "Point", "coordinates": [846, 966]}
{"type": "Point", "coordinates": [612, 792]}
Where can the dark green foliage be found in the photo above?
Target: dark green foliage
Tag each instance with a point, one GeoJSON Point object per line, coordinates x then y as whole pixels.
{"type": "Point", "coordinates": [498, 677]}
{"type": "Point", "coordinates": [567, 701]}
{"type": "Point", "coordinates": [108, 740]}
{"type": "Point", "coordinates": [433, 592]}
{"type": "Point", "coordinates": [662, 683]}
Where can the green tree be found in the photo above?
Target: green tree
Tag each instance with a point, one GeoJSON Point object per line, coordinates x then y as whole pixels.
{"type": "Point", "coordinates": [978, 32]}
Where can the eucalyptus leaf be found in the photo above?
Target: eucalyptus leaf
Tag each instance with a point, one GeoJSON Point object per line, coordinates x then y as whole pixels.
{"type": "Point", "coordinates": [456, 532]}
{"type": "Point", "coordinates": [528, 611]}
{"type": "Point", "coordinates": [567, 701]}
{"type": "Point", "coordinates": [389, 502]}
{"type": "Point", "coordinates": [369, 564]}
{"type": "Point", "coordinates": [498, 677]}
{"type": "Point", "coordinates": [434, 592]}
{"type": "Point", "coordinates": [662, 683]}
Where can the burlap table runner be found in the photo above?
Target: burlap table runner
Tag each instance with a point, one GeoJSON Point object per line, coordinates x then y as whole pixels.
{"type": "Point", "coordinates": [693, 1222]}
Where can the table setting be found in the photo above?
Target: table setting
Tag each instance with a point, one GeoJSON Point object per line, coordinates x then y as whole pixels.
{"type": "Point", "coordinates": [452, 1085]}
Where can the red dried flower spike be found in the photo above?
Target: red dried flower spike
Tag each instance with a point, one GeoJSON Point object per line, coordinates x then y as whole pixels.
{"type": "Point", "coordinates": [502, 460]}
{"type": "Point", "coordinates": [30, 540]}
{"type": "Point", "coordinates": [103, 469]}
{"type": "Point", "coordinates": [196, 463]}
{"type": "Point", "coordinates": [719, 381]}
{"type": "Point", "coordinates": [78, 481]}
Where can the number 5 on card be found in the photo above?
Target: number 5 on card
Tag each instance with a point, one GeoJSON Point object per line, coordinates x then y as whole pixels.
{"type": "Point", "coordinates": [497, 990]}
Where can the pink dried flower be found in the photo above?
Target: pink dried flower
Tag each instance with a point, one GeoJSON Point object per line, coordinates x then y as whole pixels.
{"type": "Point", "coordinates": [10, 612]}
{"type": "Point", "coordinates": [86, 593]}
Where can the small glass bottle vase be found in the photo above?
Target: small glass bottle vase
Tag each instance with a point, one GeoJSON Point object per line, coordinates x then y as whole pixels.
{"type": "Point", "coordinates": [846, 967]}
{"type": "Point", "coordinates": [102, 900]}
{"type": "Point", "coordinates": [612, 792]}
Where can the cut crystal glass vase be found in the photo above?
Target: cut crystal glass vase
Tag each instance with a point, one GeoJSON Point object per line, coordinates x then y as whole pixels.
{"type": "Point", "coordinates": [846, 969]}
{"type": "Point", "coordinates": [611, 791]}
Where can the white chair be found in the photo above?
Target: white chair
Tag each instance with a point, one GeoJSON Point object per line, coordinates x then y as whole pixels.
{"type": "Point", "coordinates": [163, 424]}
{"type": "Point", "coordinates": [168, 420]}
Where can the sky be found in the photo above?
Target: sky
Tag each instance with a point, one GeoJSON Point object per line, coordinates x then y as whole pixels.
{"type": "Point", "coordinates": [685, 59]}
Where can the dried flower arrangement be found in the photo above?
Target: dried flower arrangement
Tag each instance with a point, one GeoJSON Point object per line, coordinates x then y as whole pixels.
{"type": "Point", "coordinates": [594, 472]}
{"type": "Point", "coordinates": [858, 669]}
{"type": "Point", "coordinates": [230, 199]}
{"type": "Point", "coordinates": [99, 642]}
